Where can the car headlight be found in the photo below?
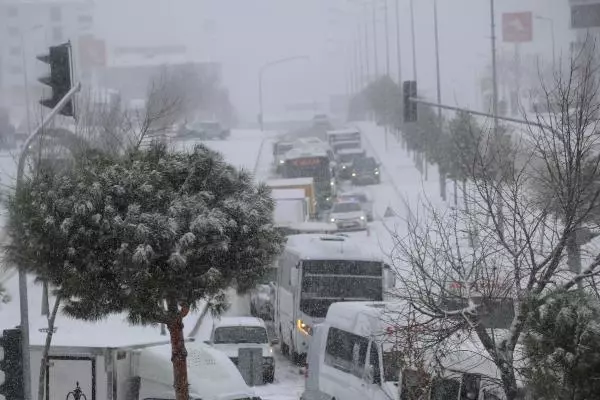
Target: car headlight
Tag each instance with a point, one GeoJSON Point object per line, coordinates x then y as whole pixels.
{"type": "Point", "coordinates": [332, 219]}
{"type": "Point", "coordinates": [343, 167]}
{"type": "Point", "coordinates": [376, 172]}
{"type": "Point", "coordinates": [268, 360]}
{"type": "Point", "coordinates": [303, 327]}
{"type": "Point", "coordinates": [362, 217]}
{"type": "Point", "coordinates": [354, 174]}
{"type": "Point", "coordinates": [281, 161]}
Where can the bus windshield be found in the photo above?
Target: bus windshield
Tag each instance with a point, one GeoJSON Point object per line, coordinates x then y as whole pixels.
{"type": "Point", "coordinates": [328, 281]}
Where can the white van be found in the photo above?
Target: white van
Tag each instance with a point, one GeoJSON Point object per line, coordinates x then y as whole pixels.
{"type": "Point", "coordinates": [353, 356]}
{"type": "Point", "coordinates": [211, 375]}
{"type": "Point", "coordinates": [230, 334]}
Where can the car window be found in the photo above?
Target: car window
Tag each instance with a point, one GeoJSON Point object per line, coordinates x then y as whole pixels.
{"type": "Point", "coordinates": [240, 334]}
{"type": "Point", "coordinates": [346, 207]}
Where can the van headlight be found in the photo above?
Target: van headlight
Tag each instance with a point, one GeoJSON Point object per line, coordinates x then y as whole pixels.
{"type": "Point", "coordinates": [354, 174]}
{"type": "Point", "coordinates": [303, 327]}
{"type": "Point", "coordinates": [332, 219]}
{"type": "Point", "coordinates": [281, 161]}
{"type": "Point", "coordinates": [362, 217]}
{"type": "Point", "coordinates": [343, 167]}
{"type": "Point", "coordinates": [376, 172]}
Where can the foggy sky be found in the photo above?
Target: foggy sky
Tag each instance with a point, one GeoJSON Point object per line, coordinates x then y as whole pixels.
{"type": "Point", "coordinates": [245, 34]}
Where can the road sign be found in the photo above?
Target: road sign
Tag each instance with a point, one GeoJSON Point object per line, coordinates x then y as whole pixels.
{"type": "Point", "coordinates": [517, 27]}
{"type": "Point", "coordinates": [585, 15]}
{"type": "Point", "coordinates": [389, 213]}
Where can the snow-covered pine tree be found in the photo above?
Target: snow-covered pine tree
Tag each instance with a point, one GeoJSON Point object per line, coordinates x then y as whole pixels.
{"type": "Point", "coordinates": [150, 234]}
{"type": "Point", "coordinates": [562, 345]}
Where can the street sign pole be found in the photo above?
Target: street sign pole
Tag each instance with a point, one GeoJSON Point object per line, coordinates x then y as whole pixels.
{"type": "Point", "coordinates": [24, 306]}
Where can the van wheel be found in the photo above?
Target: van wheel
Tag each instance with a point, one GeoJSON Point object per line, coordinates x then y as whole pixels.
{"type": "Point", "coordinates": [285, 350]}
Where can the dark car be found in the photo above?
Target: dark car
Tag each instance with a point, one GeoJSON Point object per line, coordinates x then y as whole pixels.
{"type": "Point", "coordinates": [205, 130]}
{"type": "Point", "coordinates": [345, 160]}
{"type": "Point", "coordinates": [365, 171]}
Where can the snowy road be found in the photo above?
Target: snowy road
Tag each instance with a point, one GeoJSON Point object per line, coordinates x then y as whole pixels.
{"type": "Point", "coordinates": [402, 186]}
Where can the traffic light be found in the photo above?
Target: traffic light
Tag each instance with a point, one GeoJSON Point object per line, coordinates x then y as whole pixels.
{"type": "Point", "coordinates": [469, 386]}
{"type": "Point", "coordinates": [59, 80]}
{"type": "Point", "coordinates": [11, 364]}
{"type": "Point", "coordinates": [409, 90]}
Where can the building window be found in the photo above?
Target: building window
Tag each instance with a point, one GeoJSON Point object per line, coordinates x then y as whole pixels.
{"type": "Point", "coordinates": [15, 51]}
{"type": "Point", "coordinates": [12, 12]}
{"type": "Point", "coordinates": [55, 14]}
{"type": "Point", "coordinates": [57, 34]}
{"type": "Point", "coordinates": [13, 31]}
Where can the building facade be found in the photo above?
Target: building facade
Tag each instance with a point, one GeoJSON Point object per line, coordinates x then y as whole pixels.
{"type": "Point", "coordinates": [27, 29]}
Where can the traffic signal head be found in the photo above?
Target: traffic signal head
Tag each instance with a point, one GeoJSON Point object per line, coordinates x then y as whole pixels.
{"type": "Point", "coordinates": [409, 91]}
{"type": "Point", "coordinates": [11, 364]}
{"type": "Point", "coordinates": [469, 386]}
{"type": "Point", "coordinates": [59, 80]}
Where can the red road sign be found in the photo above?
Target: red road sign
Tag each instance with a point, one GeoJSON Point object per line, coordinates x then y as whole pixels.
{"type": "Point", "coordinates": [517, 27]}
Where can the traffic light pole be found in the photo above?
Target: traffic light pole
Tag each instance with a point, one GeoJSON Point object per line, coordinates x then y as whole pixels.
{"type": "Point", "coordinates": [24, 307]}
{"type": "Point", "coordinates": [466, 110]}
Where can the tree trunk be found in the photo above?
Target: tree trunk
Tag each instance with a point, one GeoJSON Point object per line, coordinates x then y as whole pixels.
{"type": "Point", "coordinates": [44, 362]}
{"type": "Point", "coordinates": [509, 382]}
{"type": "Point", "coordinates": [179, 359]}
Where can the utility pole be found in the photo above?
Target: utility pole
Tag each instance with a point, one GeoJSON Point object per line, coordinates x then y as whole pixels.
{"type": "Point", "coordinates": [398, 45]}
{"type": "Point", "coordinates": [414, 40]}
{"type": "Point", "coordinates": [367, 49]}
{"type": "Point", "coordinates": [494, 68]}
{"type": "Point", "coordinates": [387, 37]}
{"type": "Point", "coordinates": [376, 60]}
{"type": "Point", "coordinates": [442, 174]}
{"type": "Point", "coordinates": [360, 61]}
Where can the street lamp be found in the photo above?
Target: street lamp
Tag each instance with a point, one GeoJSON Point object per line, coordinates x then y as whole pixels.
{"type": "Point", "coordinates": [25, 80]}
{"type": "Point", "coordinates": [260, 82]}
{"type": "Point", "coordinates": [551, 21]}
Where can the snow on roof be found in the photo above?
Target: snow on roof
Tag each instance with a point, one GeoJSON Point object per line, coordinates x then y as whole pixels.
{"type": "Point", "coordinates": [345, 131]}
{"type": "Point", "coordinates": [288, 194]}
{"type": "Point", "coordinates": [210, 372]}
{"type": "Point", "coordinates": [351, 151]}
{"type": "Point", "coordinates": [366, 318]}
{"type": "Point", "coordinates": [331, 247]}
{"type": "Point", "coordinates": [239, 321]}
{"type": "Point", "coordinates": [289, 182]}
{"type": "Point", "coordinates": [113, 331]}
{"type": "Point", "coordinates": [306, 151]}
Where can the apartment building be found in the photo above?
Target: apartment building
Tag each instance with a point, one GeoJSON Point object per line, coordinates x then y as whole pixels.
{"type": "Point", "coordinates": [27, 29]}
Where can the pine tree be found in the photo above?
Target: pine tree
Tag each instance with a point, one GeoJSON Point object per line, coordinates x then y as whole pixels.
{"type": "Point", "coordinates": [150, 234]}
{"type": "Point", "coordinates": [562, 346]}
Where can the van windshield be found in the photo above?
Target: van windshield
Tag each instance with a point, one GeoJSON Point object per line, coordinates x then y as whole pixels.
{"type": "Point", "coordinates": [240, 334]}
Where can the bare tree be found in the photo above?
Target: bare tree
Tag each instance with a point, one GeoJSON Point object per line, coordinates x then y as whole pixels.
{"type": "Point", "coordinates": [487, 288]}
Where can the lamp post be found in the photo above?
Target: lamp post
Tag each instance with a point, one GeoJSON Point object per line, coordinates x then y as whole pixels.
{"type": "Point", "coordinates": [551, 22]}
{"type": "Point", "coordinates": [25, 79]}
{"type": "Point", "coordinates": [260, 81]}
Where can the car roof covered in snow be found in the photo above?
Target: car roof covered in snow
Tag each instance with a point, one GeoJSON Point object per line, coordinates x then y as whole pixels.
{"type": "Point", "coordinates": [210, 371]}
{"type": "Point", "coordinates": [273, 183]}
{"type": "Point", "coordinates": [344, 131]}
{"type": "Point", "coordinates": [239, 321]}
{"type": "Point", "coordinates": [343, 152]}
{"type": "Point", "coordinates": [331, 247]}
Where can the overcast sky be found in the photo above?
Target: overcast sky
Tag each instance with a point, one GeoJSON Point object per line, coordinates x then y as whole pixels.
{"type": "Point", "coordinates": [245, 34]}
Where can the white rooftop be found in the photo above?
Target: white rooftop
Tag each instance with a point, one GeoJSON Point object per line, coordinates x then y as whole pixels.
{"type": "Point", "coordinates": [332, 247]}
{"type": "Point", "coordinates": [239, 321]}
{"type": "Point", "coordinates": [289, 182]}
{"type": "Point", "coordinates": [344, 131]}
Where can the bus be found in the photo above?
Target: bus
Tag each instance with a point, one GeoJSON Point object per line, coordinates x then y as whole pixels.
{"type": "Point", "coordinates": [315, 271]}
{"type": "Point", "coordinates": [312, 163]}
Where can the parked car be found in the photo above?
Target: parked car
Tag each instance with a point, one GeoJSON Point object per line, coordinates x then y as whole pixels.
{"type": "Point", "coordinates": [230, 334]}
{"type": "Point", "coordinates": [365, 171]}
{"type": "Point", "coordinates": [204, 130]}
{"type": "Point", "coordinates": [362, 198]}
{"type": "Point", "coordinates": [348, 215]}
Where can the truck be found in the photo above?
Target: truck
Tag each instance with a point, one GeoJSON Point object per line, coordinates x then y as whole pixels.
{"type": "Point", "coordinates": [291, 206]}
{"type": "Point", "coordinates": [306, 184]}
{"type": "Point", "coordinates": [312, 162]}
